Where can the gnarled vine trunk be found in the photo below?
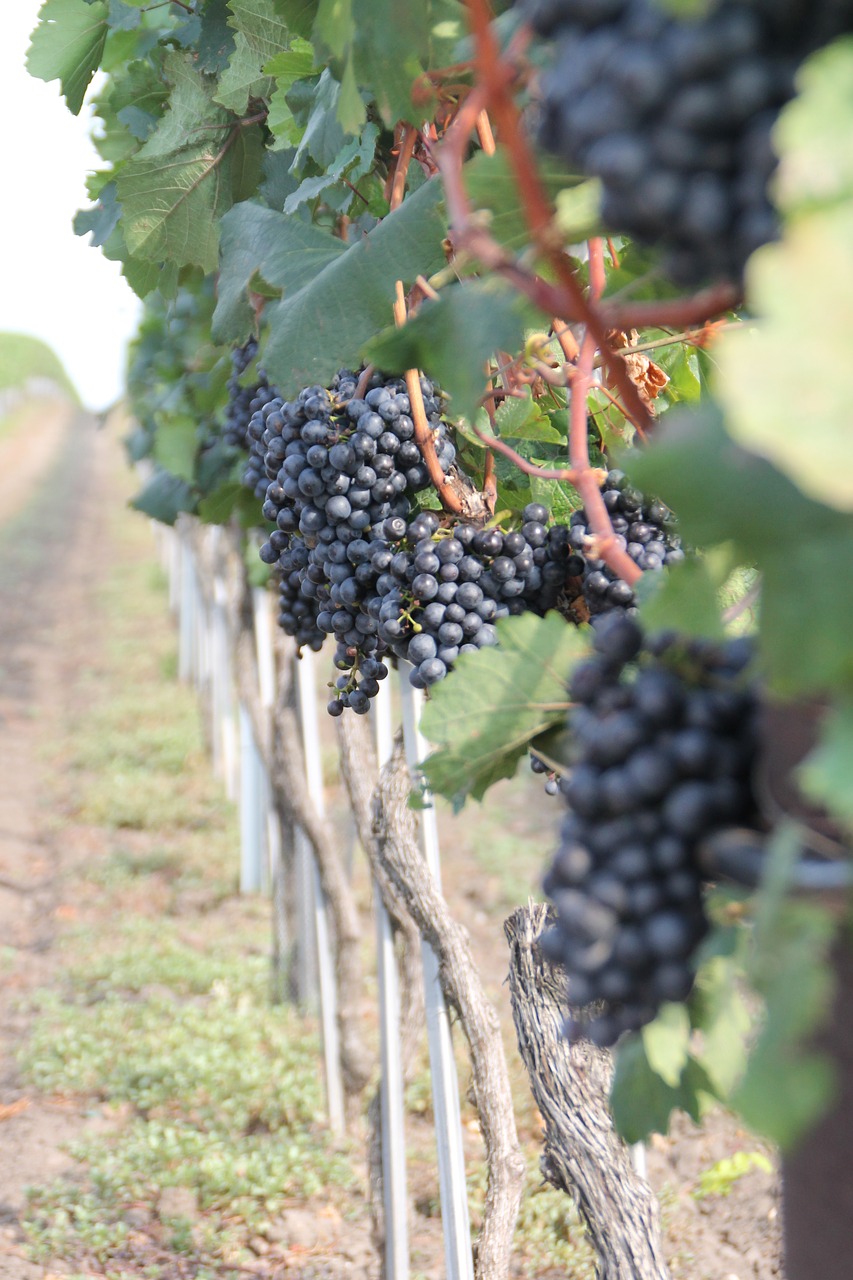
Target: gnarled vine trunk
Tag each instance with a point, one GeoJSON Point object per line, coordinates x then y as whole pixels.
{"type": "Point", "coordinates": [583, 1156]}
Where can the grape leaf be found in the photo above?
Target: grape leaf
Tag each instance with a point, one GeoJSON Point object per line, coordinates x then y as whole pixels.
{"type": "Point", "coordinates": [327, 322]}
{"type": "Point", "coordinates": [813, 133]}
{"type": "Point", "coordinates": [722, 494]}
{"type": "Point", "coordinates": [389, 39]}
{"type": "Point", "coordinates": [176, 188]}
{"type": "Point", "coordinates": [101, 220]}
{"type": "Point", "coordinates": [285, 251]}
{"type": "Point", "coordinates": [453, 337]}
{"type": "Point", "coordinates": [787, 967]}
{"type": "Point", "coordinates": [795, 410]}
{"type": "Point", "coordinates": [825, 775]}
{"type": "Point", "coordinates": [717, 1007]}
{"type": "Point", "coordinates": [67, 46]}
{"type": "Point", "coordinates": [299, 15]}
{"type": "Point", "coordinates": [490, 183]}
{"type": "Point", "coordinates": [666, 1042]}
{"type": "Point", "coordinates": [685, 597]}
{"type": "Point", "coordinates": [799, 420]}
{"type": "Point", "coordinates": [164, 497]}
{"type": "Point", "coordinates": [483, 716]}
{"type": "Point", "coordinates": [641, 1100]}
{"type": "Point", "coordinates": [353, 162]}
{"type": "Point", "coordinates": [261, 34]}
{"type": "Point", "coordinates": [286, 68]}
{"type": "Point", "coordinates": [323, 137]}
{"type": "Point", "coordinates": [176, 445]}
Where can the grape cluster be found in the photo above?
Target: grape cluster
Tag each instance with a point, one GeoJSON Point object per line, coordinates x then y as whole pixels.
{"type": "Point", "coordinates": [243, 401]}
{"type": "Point", "coordinates": [675, 116]}
{"type": "Point", "coordinates": [442, 590]}
{"type": "Point", "coordinates": [335, 468]}
{"type": "Point", "coordinates": [643, 526]}
{"type": "Point", "coordinates": [663, 730]}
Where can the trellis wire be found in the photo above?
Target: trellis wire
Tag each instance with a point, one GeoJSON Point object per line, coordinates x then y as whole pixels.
{"type": "Point", "coordinates": [445, 1085]}
{"type": "Point", "coordinates": [394, 1188]}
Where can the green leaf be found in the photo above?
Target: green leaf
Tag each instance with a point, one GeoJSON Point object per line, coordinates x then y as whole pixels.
{"type": "Point", "coordinates": [388, 40]}
{"type": "Point", "coordinates": [785, 1088]}
{"type": "Point", "coordinates": [491, 185]}
{"type": "Point", "coordinates": [333, 25]}
{"type": "Point", "coordinates": [177, 187]}
{"type": "Point", "coordinates": [813, 133]}
{"type": "Point", "coordinates": [286, 68]}
{"type": "Point", "coordinates": [102, 219]}
{"type": "Point", "coordinates": [795, 411]}
{"type": "Point", "coordinates": [323, 137]}
{"type": "Point", "coordinates": [299, 15]}
{"type": "Point", "coordinates": [641, 1100]}
{"type": "Point", "coordinates": [799, 420]}
{"type": "Point", "coordinates": [718, 1010]}
{"type": "Point", "coordinates": [667, 1041]}
{"type": "Point", "coordinates": [826, 776]}
{"type": "Point", "coordinates": [723, 494]}
{"type": "Point", "coordinates": [523, 418]}
{"type": "Point", "coordinates": [327, 322]}
{"type": "Point", "coordinates": [286, 252]}
{"type": "Point", "coordinates": [215, 42]}
{"type": "Point", "coordinates": [218, 506]}
{"type": "Point", "coordinates": [67, 46]}
{"type": "Point", "coordinates": [453, 337]}
{"type": "Point", "coordinates": [684, 597]}
{"type": "Point", "coordinates": [353, 161]}
{"type": "Point", "coordinates": [783, 1097]}
{"type": "Point", "coordinates": [482, 717]}
{"type": "Point", "coordinates": [261, 35]}
{"type": "Point", "coordinates": [176, 445]}
{"type": "Point", "coordinates": [164, 497]}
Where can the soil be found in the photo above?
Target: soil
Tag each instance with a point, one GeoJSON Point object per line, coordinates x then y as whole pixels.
{"type": "Point", "coordinates": [56, 493]}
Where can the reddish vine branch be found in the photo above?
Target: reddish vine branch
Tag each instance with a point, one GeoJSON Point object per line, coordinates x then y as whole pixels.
{"type": "Point", "coordinates": [450, 500]}
{"type": "Point", "coordinates": [587, 482]}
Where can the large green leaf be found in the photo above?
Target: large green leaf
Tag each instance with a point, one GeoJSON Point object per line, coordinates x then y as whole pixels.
{"type": "Point", "coordinates": [176, 445]}
{"type": "Point", "coordinates": [453, 337]}
{"type": "Point", "coordinates": [67, 46]}
{"type": "Point", "coordinates": [285, 251]}
{"type": "Point", "coordinates": [723, 494]}
{"type": "Point", "coordinates": [482, 717]}
{"type": "Point", "coordinates": [327, 322]}
{"type": "Point", "coordinates": [491, 185]}
{"type": "Point", "coordinates": [642, 1101]}
{"type": "Point", "coordinates": [164, 497]}
{"type": "Point", "coordinates": [667, 1043]}
{"type": "Point", "coordinates": [827, 774]}
{"type": "Point", "coordinates": [785, 1088]}
{"type": "Point", "coordinates": [785, 381]}
{"type": "Point", "coordinates": [178, 186]}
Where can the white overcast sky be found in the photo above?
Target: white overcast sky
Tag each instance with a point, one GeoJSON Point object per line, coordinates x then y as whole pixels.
{"type": "Point", "coordinates": [52, 283]}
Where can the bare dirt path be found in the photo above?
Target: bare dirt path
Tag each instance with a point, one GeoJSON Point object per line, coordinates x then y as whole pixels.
{"type": "Point", "coordinates": [47, 571]}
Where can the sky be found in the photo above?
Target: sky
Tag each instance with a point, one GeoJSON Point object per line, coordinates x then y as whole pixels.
{"type": "Point", "coordinates": [52, 283]}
